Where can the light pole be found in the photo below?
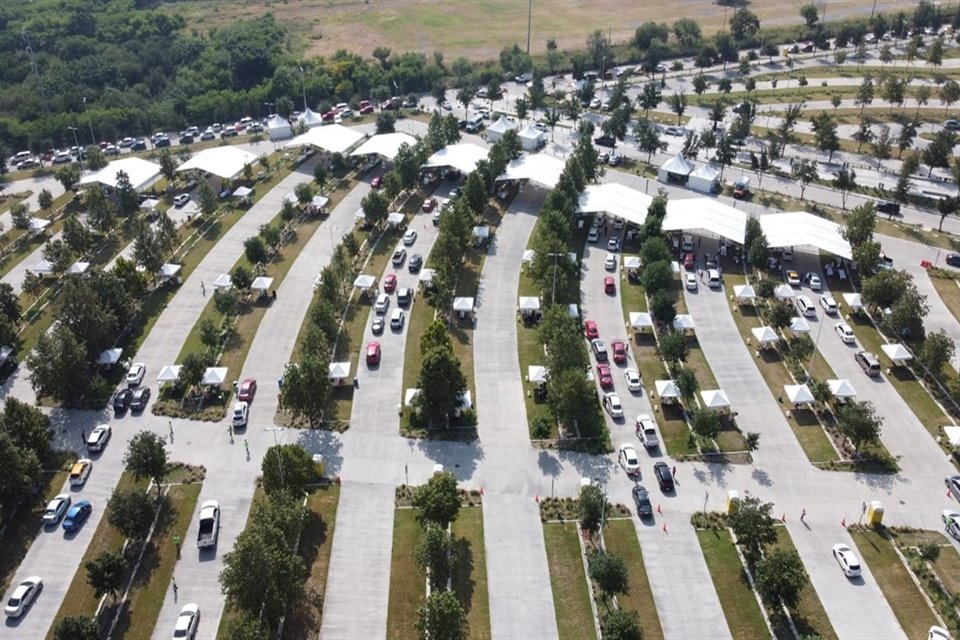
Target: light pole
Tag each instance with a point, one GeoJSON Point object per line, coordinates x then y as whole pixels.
{"type": "Point", "coordinates": [79, 150]}
{"type": "Point", "coordinates": [303, 86]}
{"type": "Point", "coordinates": [269, 105]}
{"type": "Point", "coordinates": [553, 295]}
{"type": "Point", "coordinates": [279, 458]}
{"type": "Point", "coordinates": [93, 139]}
{"type": "Point", "coordinates": [603, 506]}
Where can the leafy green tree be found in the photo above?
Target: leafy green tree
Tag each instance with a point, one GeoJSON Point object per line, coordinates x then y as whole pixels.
{"type": "Point", "coordinates": [245, 626]}
{"type": "Point", "coordinates": [905, 319]}
{"type": "Point", "coordinates": [441, 383]}
{"type": "Point", "coordinates": [22, 470]}
{"type": "Point", "coordinates": [20, 214]}
{"type": "Point", "coordinates": [441, 617]}
{"type": "Point", "coordinates": [436, 553]}
{"type": "Point", "coordinates": [95, 159]}
{"type": "Point", "coordinates": [131, 513]}
{"type": "Point", "coordinates": [938, 153]}
{"type": "Point", "coordinates": [687, 383]}
{"type": "Point", "coordinates": [656, 276]}
{"type": "Point", "coordinates": [101, 213]}
{"type": "Point", "coordinates": [949, 93]}
{"type": "Point", "coordinates": [687, 31]}
{"type": "Point", "coordinates": [781, 578]}
{"type": "Point", "coordinates": [572, 399]}
{"type": "Point", "coordinates": [810, 14]}
{"type": "Point", "coordinates": [663, 308]}
{"type": "Point", "coordinates": [45, 199]}
{"type": "Point", "coordinates": [678, 104]}
{"type": "Point", "coordinates": [936, 351]}
{"type": "Point", "coordinates": [861, 224]}
{"type": "Point", "coordinates": [438, 500]}
{"type": "Point", "coordinates": [76, 235]}
{"type": "Point", "coordinates": [58, 365]}
{"type": "Point", "coordinates": [146, 457]}
{"type": "Point", "coordinates": [705, 423]}
{"type": "Point", "coordinates": [306, 387]}
{"type": "Point", "coordinates": [255, 249]}
{"type": "Point", "coordinates": [287, 467]}
{"type": "Point", "coordinates": [375, 208]}
{"type": "Point", "coordinates": [68, 176]}
{"type": "Point", "coordinates": [77, 628]}
{"type": "Point", "coordinates": [859, 422]}
{"type": "Point", "coordinates": [825, 132]}
{"type": "Point", "coordinates": [779, 315]}
{"type": "Point", "coordinates": [845, 182]}
{"type": "Point", "coordinates": [192, 368]}
{"type": "Point", "coordinates": [591, 506]}
{"type": "Point", "coordinates": [752, 524]}
{"type": "Point", "coordinates": [744, 24]}
{"type": "Point", "coordinates": [609, 572]}
{"type": "Point", "coordinates": [673, 348]}
{"type": "Point", "coordinates": [882, 146]}
{"type": "Point", "coordinates": [620, 624]}
{"type": "Point", "coordinates": [105, 574]}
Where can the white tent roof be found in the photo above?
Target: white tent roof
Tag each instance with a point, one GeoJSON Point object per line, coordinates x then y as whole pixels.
{"type": "Point", "coordinates": [409, 396]}
{"type": "Point", "coordinates": [481, 232]}
{"type": "Point", "coordinates": [799, 325]}
{"type": "Point", "coordinates": [528, 255]}
{"type": "Point", "coordinates": [784, 291]}
{"type": "Point", "coordinates": [841, 389]}
{"type": "Point", "coordinates": [110, 356]}
{"type": "Point", "coordinates": [463, 304]}
{"type": "Point", "coordinates": [706, 172]}
{"type": "Point", "coordinates": [764, 334]}
{"type": "Point", "coordinates": [339, 370]}
{"type": "Point", "coordinates": [529, 303]}
{"type": "Point", "coordinates": [799, 228]}
{"type": "Point", "coordinates": [631, 262]}
{"type": "Point", "coordinates": [715, 398]}
{"type": "Point", "coordinates": [334, 138]}
{"type": "Point", "coordinates": [502, 125]}
{"type": "Point", "coordinates": [666, 389]}
{"type": "Point", "coordinates": [242, 192]}
{"type": "Point", "coordinates": [953, 435]}
{"type": "Point", "coordinates": [169, 373]}
{"type": "Point", "coordinates": [395, 218]}
{"type": "Point", "coordinates": [364, 281]}
{"type": "Point", "coordinates": [459, 156]}
{"type": "Point", "coordinates": [277, 122]}
{"type": "Point", "coordinates": [223, 281]}
{"type": "Point", "coordinates": [214, 375]}
{"type": "Point", "coordinates": [43, 267]}
{"type": "Point", "coordinates": [261, 283]}
{"type": "Point", "coordinates": [78, 268]}
{"type": "Point", "coordinates": [707, 214]}
{"type": "Point", "coordinates": [897, 351]}
{"type": "Point", "coordinates": [542, 169]}
{"type": "Point", "coordinates": [683, 321]}
{"type": "Point", "coordinates": [149, 204]}
{"type": "Point", "coordinates": [142, 173]}
{"type": "Point", "coordinates": [426, 275]}
{"type": "Point", "coordinates": [169, 270]}
{"type": "Point", "coordinates": [615, 199]}
{"type": "Point", "coordinates": [573, 310]}
{"type": "Point", "coordinates": [384, 144]}
{"type": "Point", "coordinates": [678, 164]}
{"type": "Point", "coordinates": [744, 292]}
{"type": "Point", "coordinates": [531, 133]}
{"type": "Point", "coordinates": [320, 201]}
{"type": "Point", "coordinates": [798, 393]}
{"type": "Point", "coordinates": [853, 300]}
{"type": "Point", "coordinates": [310, 118]}
{"type": "Point", "coordinates": [38, 224]}
{"type": "Point", "coordinates": [226, 162]}
{"type": "Point", "coordinates": [291, 198]}
{"type": "Point", "coordinates": [536, 373]}
{"type": "Point", "coordinates": [640, 319]}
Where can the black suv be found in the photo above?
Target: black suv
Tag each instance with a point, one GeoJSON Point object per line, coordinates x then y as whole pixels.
{"type": "Point", "coordinates": [664, 477]}
{"type": "Point", "coordinates": [642, 499]}
{"type": "Point", "coordinates": [605, 141]}
{"type": "Point", "coordinates": [888, 207]}
{"type": "Point", "coordinates": [416, 261]}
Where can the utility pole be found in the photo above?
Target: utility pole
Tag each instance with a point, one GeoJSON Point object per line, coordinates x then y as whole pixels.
{"type": "Point", "coordinates": [303, 85]}
{"type": "Point", "coordinates": [279, 458]}
{"type": "Point", "coordinates": [529, 22]}
{"type": "Point", "coordinates": [79, 150]}
{"type": "Point", "coordinates": [93, 139]}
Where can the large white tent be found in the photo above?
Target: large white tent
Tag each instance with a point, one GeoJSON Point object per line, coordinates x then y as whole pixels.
{"type": "Point", "coordinates": [529, 303]}
{"type": "Point", "coordinates": [744, 292]}
{"type": "Point", "coordinates": [310, 119]}
{"type": "Point", "coordinates": [542, 169]}
{"type": "Point", "coordinates": [705, 178]}
{"type": "Point", "coordinates": [536, 374]}
{"type": "Point", "coordinates": [667, 388]}
{"type": "Point", "coordinates": [334, 138]}
{"type": "Point", "coordinates": [615, 199]}
{"type": "Point", "coordinates": [676, 169]}
{"type": "Point", "coordinates": [684, 322]}
{"type": "Point", "coordinates": [764, 335]}
{"type": "Point", "coordinates": [897, 352]}
{"type": "Point", "coordinates": [798, 393]}
{"type": "Point", "coordinates": [841, 388]}
{"type": "Point", "coordinates": [226, 162]}
{"type": "Point", "coordinates": [110, 356]}
{"type": "Point", "coordinates": [530, 138]}
{"type": "Point", "coordinates": [500, 127]}
{"type": "Point", "coordinates": [169, 373]}
{"type": "Point", "coordinates": [141, 173]}
{"type": "Point", "coordinates": [715, 398]}
{"type": "Point", "coordinates": [640, 320]}
{"type": "Point", "coordinates": [384, 144]}
{"type": "Point", "coordinates": [799, 228]}
{"type": "Point", "coordinates": [214, 376]}
{"type": "Point", "coordinates": [707, 214]}
{"type": "Point", "coordinates": [459, 156]}
{"type": "Point", "coordinates": [279, 128]}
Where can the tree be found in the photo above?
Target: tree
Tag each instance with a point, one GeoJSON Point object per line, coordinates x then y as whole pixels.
{"type": "Point", "coordinates": [441, 617]}
{"type": "Point", "coordinates": [705, 423]}
{"type": "Point", "coordinates": [20, 214]}
{"type": "Point", "coordinates": [861, 224]}
{"type": "Point", "coordinates": [687, 383]}
{"type": "Point", "coordinates": [656, 276]}
{"type": "Point", "coordinates": [306, 387]}
{"type": "Point", "coordinates": [438, 500]}
{"type": "Point", "coordinates": [825, 132]}
{"type": "Point", "coordinates": [781, 578]}
{"type": "Point", "coordinates": [673, 348]}
{"type": "Point", "coordinates": [744, 24]}
{"type": "Point", "coordinates": [191, 370]}
{"type": "Point", "coordinates": [936, 351]}
{"type": "Point", "coordinates": [76, 235]}
{"type": "Point", "coordinates": [68, 176]}
{"type": "Point", "coordinates": [128, 200]}
{"type": "Point", "coordinates": [905, 319]}
{"type": "Point", "coordinates": [287, 467]}
{"type": "Point", "coordinates": [687, 31]}
{"type": "Point", "coordinates": [935, 52]}
{"type": "Point", "coordinates": [105, 573]}
{"type": "Point", "coordinates": [779, 315]}
{"type": "Point", "coordinates": [908, 131]}
{"type": "Point", "coordinates": [845, 182]}
{"type": "Point", "coordinates": [598, 48]}
{"type": "Point", "coordinates": [245, 626]}
{"type": "Point", "coordinates": [22, 470]}
{"type": "Point", "coordinates": [146, 457]}
{"type": "Point", "coordinates": [620, 624]}
{"type": "Point", "coordinates": [700, 84]}
{"type": "Point", "coordinates": [168, 166]}
{"type": "Point", "coordinates": [609, 572]}
{"type": "Point", "coordinates": [804, 172]}
{"type": "Point", "coordinates": [77, 628]}
{"type": "Point", "coordinates": [937, 154]}
{"type": "Point", "coordinates": [255, 249]}
{"type": "Point", "coordinates": [663, 308]}
{"type": "Point", "coordinates": [678, 104]}
{"type": "Point", "coordinates": [894, 91]}
{"type": "Point", "coordinates": [649, 97]}
{"type": "Point", "coordinates": [654, 249]}
{"type": "Point", "coordinates": [810, 14]}
{"type": "Point", "coordinates": [839, 56]}
{"type": "Point", "coordinates": [441, 383]}
{"type": "Point", "coordinates": [591, 507]}
{"type": "Point", "coordinates": [131, 513]}
{"type": "Point", "coordinates": [45, 199]}
{"type": "Point", "coordinates": [375, 208]}
{"type": "Point", "coordinates": [58, 365]}
{"type": "Point", "coordinates": [437, 554]}
{"type": "Point", "coordinates": [95, 158]}
{"type": "Point", "coordinates": [752, 524]}
{"type": "Point", "coordinates": [758, 251]}
{"type": "Point", "coordinates": [949, 93]}
{"type": "Point", "coordinates": [241, 277]}
{"type": "Point", "coordinates": [882, 146]}
{"type": "Point", "coordinates": [691, 145]}
{"type": "Point", "coordinates": [859, 422]}
{"type": "Point", "coordinates": [864, 132]}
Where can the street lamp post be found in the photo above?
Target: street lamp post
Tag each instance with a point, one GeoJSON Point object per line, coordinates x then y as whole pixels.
{"type": "Point", "coordinates": [553, 295]}
{"type": "Point", "coordinates": [93, 139]}
{"type": "Point", "coordinates": [303, 86]}
{"type": "Point", "coordinates": [603, 506]}
{"type": "Point", "coordinates": [269, 105]}
{"type": "Point", "coordinates": [279, 458]}
{"type": "Point", "coordinates": [79, 150]}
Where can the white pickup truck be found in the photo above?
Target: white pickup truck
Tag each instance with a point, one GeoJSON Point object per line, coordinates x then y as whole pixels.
{"type": "Point", "coordinates": [209, 524]}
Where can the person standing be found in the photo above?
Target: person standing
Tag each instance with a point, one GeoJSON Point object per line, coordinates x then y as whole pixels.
{"type": "Point", "coordinates": [83, 436]}
{"type": "Point", "coordinates": [176, 541]}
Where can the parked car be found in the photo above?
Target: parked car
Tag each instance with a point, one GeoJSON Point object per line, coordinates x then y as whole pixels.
{"type": "Point", "coordinates": [611, 402]}
{"type": "Point", "coordinates": [647, 431]}
{"type": "Point", "coordinates": [80, 471]}
{"type": "Point", "coordinates": [181, 200]}
{"type": "Point", "coordinates": [847, 560]}
{"type": "Point", "coordinates": [641, 498]}
{"type": "Point", "coordinates": [409, 237]}
{"type": "Point", "coordinates": [953, 486]}
{"type": "Point", "coordinates": [247, 389]}
{"type": "Point", "coordinates": [140, 399]}
{"type": "Point", "coordinates": [951, 522]}
{"type": "Point", "coordinates": [77, 515]}
{"type": "Point", "coordinates": [793, 278]}
{"type": "Point", "coordinates": [629, 459]}
{"type": "Point", "coordinates": [241, 413]}
{"type": "Point", "coordinates": [690, 281]}
{"type": "Point", "coordinates": [610, 262]}
{"type": "Point", "coordinates": [829, 304]}
{"type": "Point", "coordinates": [888, 207]}
{"type": "Point", "coordinates": [55, 509]}
{"type": "Point", "coordinates": [99, 437]}
{"type": "Point", "coordinates": [868, 362]}
{"type": "Point", "coordinates": [599, 349]}
{"type": "Point", "coordinates": [209, 524]}
{"type": "Point", "coordinates": [416, 262]}
{"type": "Point", "coordinates": [593, 235]}
{"type": "Point", "coordinates": [376, 182]}
{"type": "Point", "coordinates": [664, 476]}
{"type": "Point", "coordinates": [23, 596]}
{"type": "Point", "coordinates": [952, 125]}
{"type": "Point", "coordinates": [121, 400]}
{"type": "Point", "coordinates": [136, 373]}
{"type": "Point", "coordinates": [953, 259]}
{"type": "Point", "coordinates": [604, 376]}
{"type": "Point", "coordinates": [187, 622]}
{"type": "Point", "coordinates": [429, 204]}
{"type": "Point", "coordinates": [845, 332]}
{"type": "Point", "coordinates": [613, 244]}
{"type": "Point", "coordinates": [619, 348]}
{"type": "Point", "coordinates": [632, 376]}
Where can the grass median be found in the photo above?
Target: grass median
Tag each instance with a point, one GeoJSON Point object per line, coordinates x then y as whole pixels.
{"type": "Point", "coordinates": [571, 595]}
{"type": "Point", "coordinates": [469, 577]}
{"type": "Point", "coordinates": [947, 285]}
{"type": "Point", "coordinates": [407, 579]}
{"type": "Point", "coordinates": [620, 537]}
{"type": "Point", "coordinates": [737, 599]}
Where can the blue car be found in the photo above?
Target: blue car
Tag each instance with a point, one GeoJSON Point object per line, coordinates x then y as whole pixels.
{"type": "Point", "coordinates": [77, 515]}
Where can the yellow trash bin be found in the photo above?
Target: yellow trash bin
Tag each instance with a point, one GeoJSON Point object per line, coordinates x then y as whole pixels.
{"type": "Point", "coordinates": [733, 502]}
{"type": "Point", "coordinates": [875, 513]}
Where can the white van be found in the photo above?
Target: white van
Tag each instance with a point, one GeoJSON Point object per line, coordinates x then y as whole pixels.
{"type": "Point", "coordinates": [474, 124]}
{"type": "Point", "coordinates": [713, 279]}
{"type": "Point", "coordinates": [805, 306]}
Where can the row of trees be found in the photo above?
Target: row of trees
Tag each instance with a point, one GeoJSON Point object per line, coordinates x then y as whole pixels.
{"type": "Point", "coordinates": [24, 449]}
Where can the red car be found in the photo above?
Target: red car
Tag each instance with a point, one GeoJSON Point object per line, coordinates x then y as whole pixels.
{"type": "Point", "coordinates": [247, 389]}
{"type": "Point", "coordinates": [608, 285]}
{"type": "Point", "coordinates": [365, 107]}
{"type": "Point", "coordinates": [330, 115]}
{"type": "Point", "coordinates": [390, 282]}
{"type": "Point", "coordinates": [373, 354]}
{"type": "Point", "coordinates": [376, 182]}
{"type": "Point", "coordinates": [590, 328]}
{"type": "Point", "coordinates": [619, 348]}
{"type": "Point", "coordinates": [689, 263]}
{"type": "Point", "coordinates": [603, 373]}
{"type": "Point", "coordinates": [429, 205]}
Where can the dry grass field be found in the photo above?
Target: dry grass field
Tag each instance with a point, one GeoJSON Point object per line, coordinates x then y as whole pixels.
{"type": "Point", "coordinates": [479, 29]}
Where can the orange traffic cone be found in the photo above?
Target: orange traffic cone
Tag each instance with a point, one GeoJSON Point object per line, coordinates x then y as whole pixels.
{"type": "Point", "coordinates": [658, 510]}
{"type": "Point", "coordinates": [664, 527]}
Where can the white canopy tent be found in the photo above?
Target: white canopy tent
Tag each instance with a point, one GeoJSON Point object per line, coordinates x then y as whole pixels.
{"type": "Point", "coordinates": [784, 292]}
{"type": "Point", "coordinates": [799, 325]}
{"type": "Point", "coordinates": [897, 352]}
{"type": "Point", "coordinates": [364, 281]}
{"type": "Point", "coordinates": [462, 156]}
{"type": "Point", "coordinates": [339, 371]}
{"type": "Point", "coordinates": [841, 389]}
{"type": "Point", "coordinates": [573, 311]}
{"type": "Point", "coordinates": [667, 389]}
{"type": "Point", "coordinates": [853, 300]}
{"type": "Point", "coordinates": [36, 225]}
{"type": "Point", "coordinates": [500, 127]}
{"type": "Point", "coordinates": [242, 192]}
{"type": "Point", "coordinates": [426, 275]}
{"type": "Point", "coordinates": [764, 335]}
{"type": "Point", "coordinates": [395, 219]}
{"type": "Point", "coordinates": [481, 233]}
{"type": "Point", "coordinates": [223, 281]}
{"type": "Point", "coordinates": [631, 262]}
{"type": "Point", "coordinates": [705, 178]}
{"type": "Point", "coordinates": [385, 145]}
{"type": "Point", "coordinates": [744, 292]}
{"type": "Point", "coordinates": [707, 214]}
{"type": "Point", "coordinates": [799, 228]}
{"type": "Point", "coordinates": [310, 118]}
{"type": "Point", "coordinates": [463, 305]}
{"type": "Point", "coordinates": [952, 435]}
{"type": "Point", "coordinates": [261, 283]}
{"type": "Point", "coordinates": [676, 169]}
{"type": "Point", "coordinates": [150, 205]}
{"type": "Point", "coordinates": [319, 203]}
{"type": "Point", "coordinates": [279, 128]}
{"type": "Point", "coordinates": [530, 138]}
{"type": "Point", "coordinates": [78, 268]}
{"type": "Point", "coordinates": [542, 169]}
{"type": "Point", "coordinates": [334, 138]}
{"type": "Point", "coordinates": [684, 322]}
{"type": "Point", "coordinates": [43, 268]}
{"type": "Point", "coordinates": [169, 373]}
{"type": "Point", "coordinates": [528, 256]}
{"type": "Point", "coordinates": [715, 398]}
{"type": "Point", "coordinates": [640, 320]}
{"type": "Point", "coordinates": [141, 173]}
{"type": "Point", "coordinates": [615, 199]}
{"type": "Point", "coordinates": [110, 356]}
{"type": "Point", "coordinates": [529, 303]}
{"type": "Point", "coordinates": [214, 376]}
{"type": "Point", "coordinates": [798, 393]}
{"type": "Point", "coordinates": [226, 162]}
{"type": "Point", "coordinates": [168, 271]}
{"type": "Point", "coordinates": [537, 374]}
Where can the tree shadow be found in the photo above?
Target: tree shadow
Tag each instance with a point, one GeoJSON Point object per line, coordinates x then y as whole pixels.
{"type": "Point", "coordinates": [463, 583]}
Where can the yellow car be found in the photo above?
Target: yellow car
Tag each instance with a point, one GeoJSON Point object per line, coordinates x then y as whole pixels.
{"type": "Point", "coordinates": [80, 471]}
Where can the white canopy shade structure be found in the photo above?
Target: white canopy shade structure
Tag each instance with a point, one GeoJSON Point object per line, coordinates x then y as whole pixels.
{"type": "Point", "coordinates": [319, 202]}
{"type": "Point", "coordinates": [36, 225]}
{"type": "Point", "coordinates": [537, 374]}
{"type": "Point", "coordinates": [226, 162]}
{"type": "Point", "coordinates": [683, 322]}
{"type": "Point", "coordinates": [528, 255]}
{"type": "Point", "coordinates": [110, 356]}
{"type": "Point", "coordinates": [705, 178]}
{"type": "Point", "coordinates": [5, 354]}
{"type": "Point", "coordinates": [334, 138]}
{"type": "Point", "coordinates": [706, 214]}
{"type": "Point", "coordinates": [542, 169]}
{"type": "Point", "coordinates": [897, 352]}
{"type": "Point", "coordinates": [853, 300]}
{"type": "Point", "coordinates": [744, 292]}
{"type": "Point", "coordinates": [677, 165]}
{"type": "Point", "coordinates": [78, 268]}
{"type": "Point", "coordinates": [409, 396]}
{"type": "Point", "coordinates": [799, 228]}
{"type": "Point", "coordinates": [395, 219]}
{"type": "Point", "coordinates": [169, 373]}
{"type": "Point", "coordinates": [784, 292]}
{"type": "Point", "coordinates": [242, 192]}
{"type": "Point", "coordinates": [640, 320]}
{"type": "Point", "coordinates": [841, 389]}
{"type": "Point", "coordinates": [573, 310]}
{"type": "Point", "coordinates": [615, 199]}
{"type": "Point", "coordinates": [799, 325]}
{"type": "Point", "coordinates": [223, 281]}
{"type": "Point", "coordinates": [530, 138]}
{"type": "Point", "coordinates": [385, 145]}
{"type": "Point", "coordinates": [291, 198]}
{"type": "Point", "coordinates": [500, 127]}
{"type": "Point", "coordinates": [462, 156]}
{"type": "Point", "coordinates": [261, 283]}
{"type": "Point", "coordinates": [463, 305]}
{"type": "Point", "coordinates": [426, 275]}
{"type": "Point", "coordinates": [279, 127]}
{"type": "Point", "coordinates": [631, 262]}
{"type": "Point", "coordinates": [482, 232]}
{"type": "Point", "coordinates": [141, 173]}
{"type": "Point", "coordinates": [529, 303]}
{"type": "Point", "coordinates": [44, 267]}
{"type": "Point", "coordinates": [364, 281]}
{"type": "Point", "coordinates": [150, 204]}
{"type": "Point", "coordinates": [339, 370]}
{"type": "Point", "coordinates": [169, 270]}
{"type": "Point", "coordinates": [952, 435]}
{"type": "Point", "coordinates": [310, 118]}
{"type": "Point", "coordinates": [715, 398]}
{"type": "Point", "coordinates": [798, 393]}
{"type": "Point", "coordinates": [214, 376]}
{"type": "Point", "coordinates": [667, 389]}
{"type": "Point", "coordinates": [764, 335]}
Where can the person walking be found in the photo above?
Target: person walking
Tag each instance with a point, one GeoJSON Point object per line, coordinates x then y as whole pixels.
{"type": "Point", "coordinates": [83, 436]}
{"type": "Point", "coordinates": [176, 541]}
{"type": "Point", "coordinates": [673, 472]}
{"type": "Point", "coordinates": [230, 431]}
{"type": "Point", "coordinates": [246, 445]}
{"type": "Point", "coordinates": [203, 288]}
{"type": "Point", "coordinates": [803, 514]}
{"type": "Point", "coordinates": [175, 589]}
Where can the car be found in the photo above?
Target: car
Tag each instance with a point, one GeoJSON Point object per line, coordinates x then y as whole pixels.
{"type": "Point", "coordinates": [689, 262]}
{"type": "Point", "coordinates": [163, 142]}
{"type": "Point", "coordinates": [594, 235]}
{"type": "Point", "coordinates": [77, 515]}
{"type": "Point", "coordinates": [208, 135]}
{"type": "Point", "coordinates": [590, 330]}
{"type": "Point", "coordinates": [404, 296]}
{"type": "Point", "coordinates": [610, 262]}
{"type": "Point", "coordinates": [80, 471]}
{"type": "Point", "coordinates": [690, 281]}
{"type": "Point", "coordinates": [886, 262]}
{"type": "Point", "coordinates": [641, 498]}
{"type": "Point", "coordinates": [373, 354]}
{"type": "Point", "coordinates": [632, 376]}
{"type": "Point", "coordinates": [140, 399]}
{"type": "Point", "coordinates": [813, 281]}
{"type": "Point", "coordinates": [111, 150]}
{"type": "Point", "coordinates": [676, 131]}
{"type": "Point", "coordinates": [741, 188]}
{"type": "Point", "coordinates": [664, 476]}
{"type": "Point", "coordinates": [787, 254]}
{"type": "Point", "coordinates": [429, 205]}
{"type": "Point", "coordinates": [845, 332]}
{"type": "Point", "coordinates": [937, 633]}
{"type": "Point", "coordinates": [181, 200]}
{"type": "Point", "coordinates": [888, 207]}
{"type": "Point", "coordinates": [629, 459]}
{"type": "Point", "coordinates": [829, 304]}
{"type": "Point", "coordinates": [390, 282]}
{"type": "Point", "coordinates": [793, 278]}
{"type": "Point", "coordinates": [99, 437]}
{"type": "Point", "coordinates": [230, 131]}
{"type": "Point", "coordinates": [62, 157]}
{"type": "Point", "coordinates": [187, 622]}
{"type": "Point", "coordinates": [613, 244]}
{"type": "Point", "coordinates": [603, 375]}
{"type": "Point", "coordinates": [599, 349]}
{"type": "Point", "coordinates": [23, 596]}
{"type": "Point", "coordinates": [605, 141]}
{"type": "Point", "coordinates": [614, 160]}
{"type": "Point", "coordinates": [611, 402]}
{"type": "Point", "coordinates": [595, 103]}
{"type": "Point", "coordinates": [952, 125]}
{"type": "Point", "coordinates": [139, 145]}
{"type": "Point", "coordinates": [55, 509]}
{"type": "Point", "coordinates": [409, 237]}
{"type": "Point", "coordinates": [647, 431]}
{"type": "Point", "coordinates": [121, 400]}
{"type": "Point", "coordinates": [136, 373]}
{"type": "Point", "coordinates": [609, 285]}
{"type": "Point", "coordinates": [951, 521]}
{"type": "Point", "coordinates": [377, 326]}
{"type": "Point", "coordinates": [376, 182]}
{"type": "Point", "coordinates": [241, 414]}
{"type": "Point", "coordinates": [186, 138]}
{"type": "Point", "coordinates": [398, 257]}
{"type": "Point", "coordinates": [382, 304]}
{"type": "Point", "coordinates": [603, 158]}
{"type": "Point", "coordinates": [619, 348]}
{"type": "Point", "coordinates": [416, 262]}
{"type": "Point", "coordinates": [847, 560]}
{"type": "Point", "coordinates": [247, 389]}
{"type": "Point", "coordinates": [397, 319]}
{"type": "Point", "coordinates": [953, 259]}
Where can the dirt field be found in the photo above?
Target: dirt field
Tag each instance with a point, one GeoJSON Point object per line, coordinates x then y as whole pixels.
{"type": "Point", "coordinates": [479, 29]}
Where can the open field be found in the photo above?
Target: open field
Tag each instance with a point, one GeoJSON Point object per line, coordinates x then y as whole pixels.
{"type": "Point", "coordinates": [321, 27]}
